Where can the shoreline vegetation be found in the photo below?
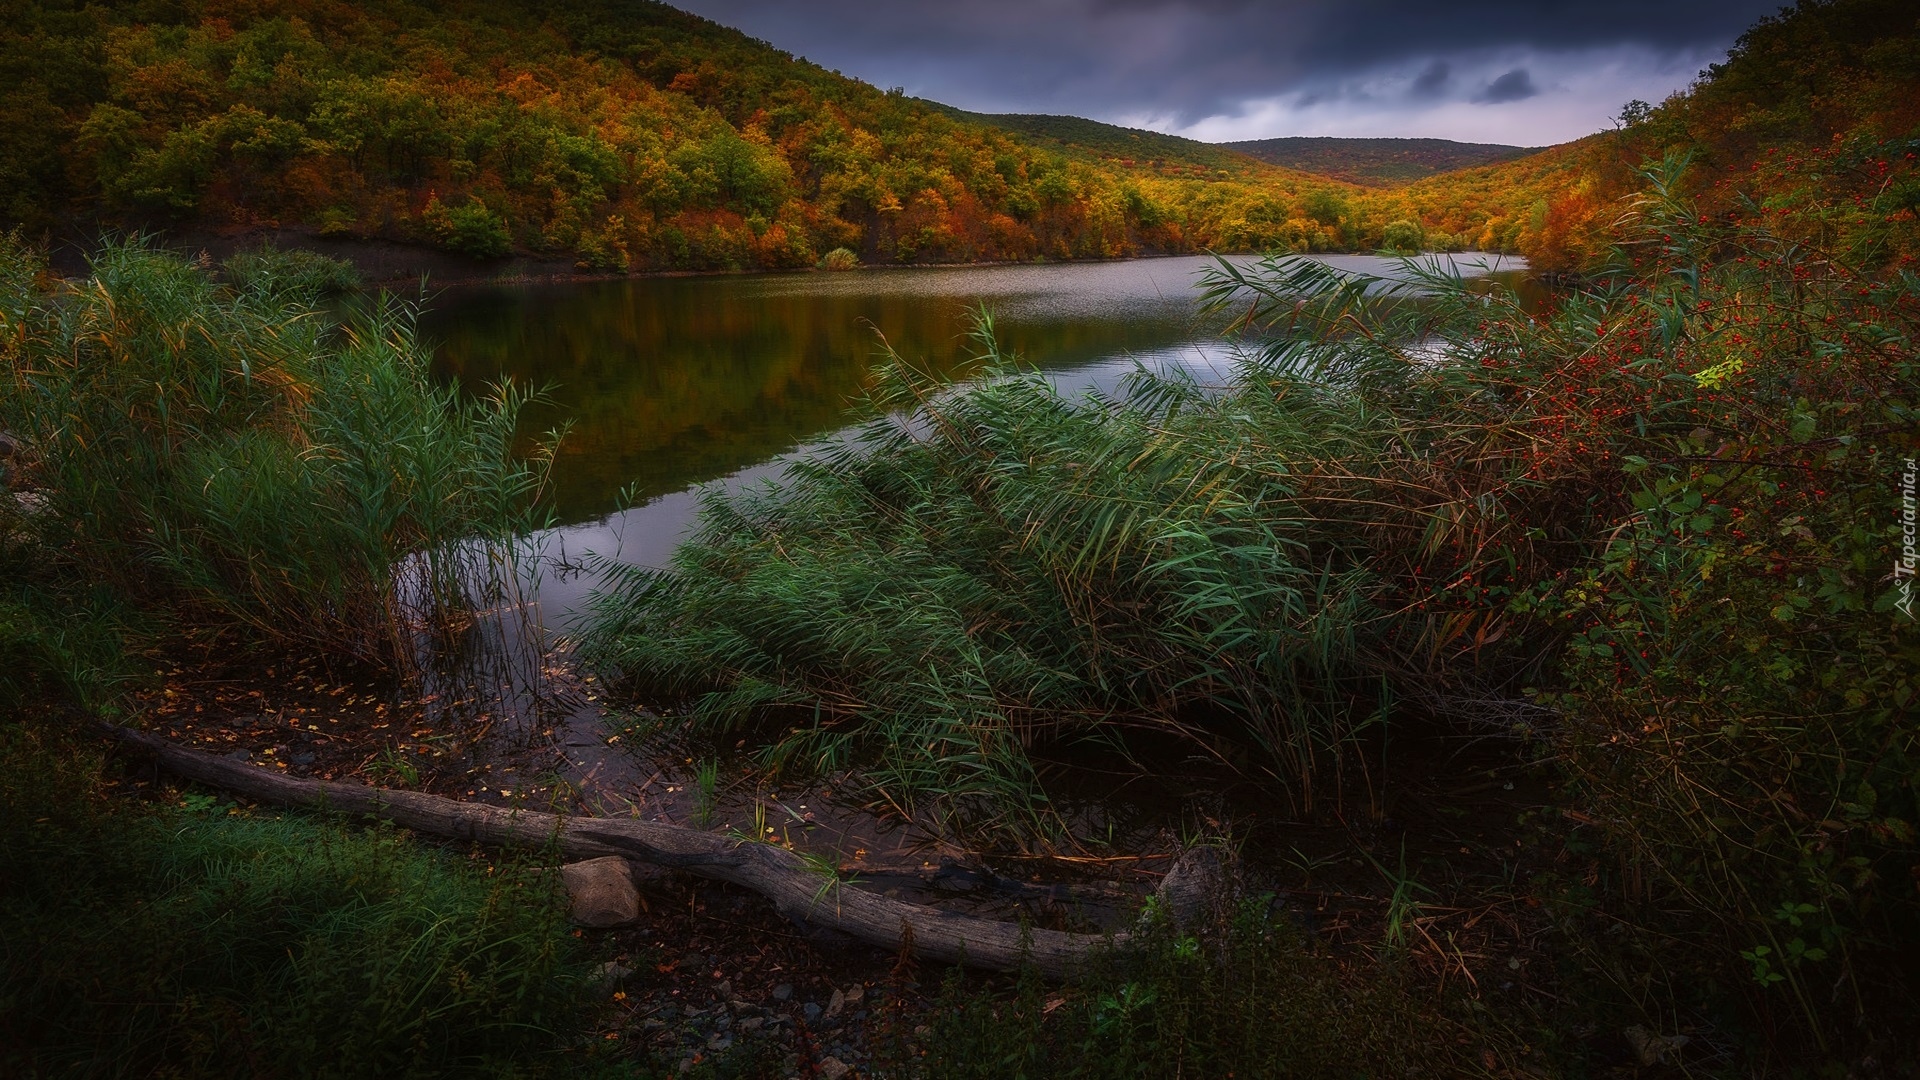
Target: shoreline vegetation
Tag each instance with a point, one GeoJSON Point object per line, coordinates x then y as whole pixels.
{"type": "Point", "coordinates": [1637, 557]}
{"type": "Point", "coordinates": [351, 276]}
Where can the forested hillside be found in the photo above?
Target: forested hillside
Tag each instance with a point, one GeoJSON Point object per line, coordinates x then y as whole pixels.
{"type": "Point", "coordinates": [1810, 127]}
{"type": "Point", "coordinates": [1123, 146]}
{"type": "Point", "coordinates": [629, 136]}
{"type": "Point", "coordinates": [1376, 162]}
{"type": "Point", "coordinates": [623, 134]}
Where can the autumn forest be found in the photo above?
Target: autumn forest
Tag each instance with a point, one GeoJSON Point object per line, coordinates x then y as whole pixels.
{"type": "Point", "coordinates": [632, 137]}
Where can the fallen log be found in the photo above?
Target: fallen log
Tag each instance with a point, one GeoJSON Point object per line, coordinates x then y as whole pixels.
{"type": "Point", "coordinates": [799, 891]}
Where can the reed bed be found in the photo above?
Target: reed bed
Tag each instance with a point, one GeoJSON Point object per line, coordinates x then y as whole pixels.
{"type": "Point", "coordinates": [232, 455]}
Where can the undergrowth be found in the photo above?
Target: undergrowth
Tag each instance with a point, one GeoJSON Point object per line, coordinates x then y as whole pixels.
{"type": "Point", "coordinates": [1250, 998]}
{"type": "Point", "coordinates": [200, 939]}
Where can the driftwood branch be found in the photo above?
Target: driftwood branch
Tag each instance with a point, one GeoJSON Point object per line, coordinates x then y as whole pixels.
{"type": "Point", "coordinates": [799, 891]}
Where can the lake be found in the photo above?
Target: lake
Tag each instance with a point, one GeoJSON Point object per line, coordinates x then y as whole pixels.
{"type": "Point", "coordinates": [672, 383]}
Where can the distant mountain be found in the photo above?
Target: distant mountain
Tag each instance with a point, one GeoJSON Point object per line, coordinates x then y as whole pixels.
{"type": "Point", "coordinates": [1111, 143]}
{"type": "Point", "coordinates": [1376, 162]}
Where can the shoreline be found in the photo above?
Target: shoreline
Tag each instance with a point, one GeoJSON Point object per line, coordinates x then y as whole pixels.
{"type": "Point", "coordinates": [394, 265]}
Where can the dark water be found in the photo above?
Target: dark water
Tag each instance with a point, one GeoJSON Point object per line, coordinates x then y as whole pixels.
{"type": "Point", "coordinates": [674, 382]}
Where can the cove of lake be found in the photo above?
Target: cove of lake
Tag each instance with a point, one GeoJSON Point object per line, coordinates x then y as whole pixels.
{"type": "Point", "coordinates": [674, 383]}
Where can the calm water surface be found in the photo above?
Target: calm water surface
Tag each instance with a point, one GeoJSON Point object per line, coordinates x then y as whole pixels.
{"type": "Point", "coordinates": [673, 383]}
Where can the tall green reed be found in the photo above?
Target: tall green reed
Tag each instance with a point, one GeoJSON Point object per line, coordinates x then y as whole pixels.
{"type": "Point", "coordinates": [981, 571]}
{"type": "Point", "coordinates": [237, 455]}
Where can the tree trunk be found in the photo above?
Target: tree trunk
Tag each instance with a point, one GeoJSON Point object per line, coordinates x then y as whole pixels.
{"type": "Point", "coordinates": [799, 891]}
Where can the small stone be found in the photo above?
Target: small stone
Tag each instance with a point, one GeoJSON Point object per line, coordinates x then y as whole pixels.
{"type": "Point", "coordinates": [855, 993]}
{"type": "Point", "coordinates": [751, 1024]}
{"type": "Point", "coordinates": [836, 1003]}
{"type": "Point", "coordinates": [30, 504]}
{"type": "Point", "coordinates": [611, 974]}
{"type": "Point", "coordinates": [719, 1042]}
{"type": "Point", "coordinates": [602, 891]}
{"type": "Point", "coordinates": [1650, 1048]}
{"type": "Point", "coordinates": [783, 992]}
{"type": "Point", "coordinates": [812, 1011]}
{"type": "Point", "coordinates": [832, 1068]}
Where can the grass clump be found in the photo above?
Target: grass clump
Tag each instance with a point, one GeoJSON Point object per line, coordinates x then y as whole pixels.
{"type": "Point", "coordinates": [231, 457]}
{"type": "Point", "coordinates": [202, 940]}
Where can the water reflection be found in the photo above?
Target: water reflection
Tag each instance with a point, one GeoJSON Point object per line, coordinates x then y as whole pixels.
{"type": "Point", "coordinates": [673, 382]}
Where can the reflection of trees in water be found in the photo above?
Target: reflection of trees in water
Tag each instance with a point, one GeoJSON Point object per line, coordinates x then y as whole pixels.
{"type": "Point", "coordinates": [671, 382]}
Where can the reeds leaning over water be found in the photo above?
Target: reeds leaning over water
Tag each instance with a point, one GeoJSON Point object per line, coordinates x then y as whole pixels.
{"type": "Point", "coordinates": [237, 458]}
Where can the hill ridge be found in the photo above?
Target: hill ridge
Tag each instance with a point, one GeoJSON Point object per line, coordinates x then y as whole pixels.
{"type": "Point", "coordinates": [1378, 162]}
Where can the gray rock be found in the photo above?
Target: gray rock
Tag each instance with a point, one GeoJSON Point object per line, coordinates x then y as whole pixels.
{"type": "Point", "coordinates": [855, 993]}
{"type": "Point", "coordinates": [30, 504]}
{"type": "Point", "coordinates": [612, 975]}
{"type": "Point", "coordinates": [783, 992]}
{"type": "Point", "coordinates": [751, 1024]}
{"type": "Point", "coordinates": [832, 1068]}
{"type": "Point", "coordinates": [602, 891]}
{"type": "Point", "coordinates": [1196, 886]}
{"type": "Point", "coordinates": [812, 1011]}
{"type": "Point", "coordinates": [836, 1003]}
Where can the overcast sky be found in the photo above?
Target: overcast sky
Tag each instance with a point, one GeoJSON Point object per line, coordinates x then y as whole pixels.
{"type": "Point", "coordinates": [1525, 72]}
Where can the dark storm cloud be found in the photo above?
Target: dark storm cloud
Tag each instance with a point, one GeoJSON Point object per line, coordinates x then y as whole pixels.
{"type": "Point", "coordinates": [1431, 82]}
{"type": "Point", "coordinates": [1189, 60]}
{"type": "Point", "coordinates": [1515, 85]}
